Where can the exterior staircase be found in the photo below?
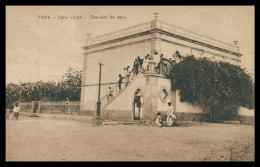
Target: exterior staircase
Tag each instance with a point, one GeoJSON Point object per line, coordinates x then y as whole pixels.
{"type": "Point", "coordinates": [116, 92]}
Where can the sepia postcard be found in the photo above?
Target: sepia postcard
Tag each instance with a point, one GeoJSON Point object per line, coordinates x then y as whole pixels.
{"type": "Point", "coordinates": [130, 83]}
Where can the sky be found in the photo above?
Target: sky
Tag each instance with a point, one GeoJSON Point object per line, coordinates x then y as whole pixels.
{"type": "Point", "coordinates": [42, 49]}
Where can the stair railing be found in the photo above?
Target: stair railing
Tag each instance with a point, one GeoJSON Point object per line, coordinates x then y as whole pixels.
{"type": "Point", "coordinates": [115, 91]}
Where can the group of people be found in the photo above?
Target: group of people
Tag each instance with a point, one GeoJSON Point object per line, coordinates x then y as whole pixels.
{"type": "Point", "coordinates": [170, 117]}
{"type": "Point", "coordinates": [141, 65]}
{"type": "Point", "coordinates": [164, 66]}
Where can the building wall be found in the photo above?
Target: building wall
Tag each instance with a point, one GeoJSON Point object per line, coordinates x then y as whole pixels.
{"type": "Point", "coordinates": [125, 100]}
{"type": "Point", "coordinates": [114, 60]}
{"type": "Point", "coordinates": [122, 106]}
{"type": "Point", "coordinates": [186, 107]}
{"type": "Point", "coordinates": [162, 105]}
{"type": "Point", "coordinates": [120, 51]}
{"type": "Point", "coordinates": [168, 49]}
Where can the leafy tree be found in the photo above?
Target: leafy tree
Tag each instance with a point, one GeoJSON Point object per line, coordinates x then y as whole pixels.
{"type": "Point", "coordinates": [70, 88]}
{"type": "Point", "coordinates": [219, 85]}
{"type": "Point", "coordinates": [12, 94]}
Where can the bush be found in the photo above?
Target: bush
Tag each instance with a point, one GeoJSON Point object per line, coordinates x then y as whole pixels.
{"type": "Point", "coordinates": [215, 84]}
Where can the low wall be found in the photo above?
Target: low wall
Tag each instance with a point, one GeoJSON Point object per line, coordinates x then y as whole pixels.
{"type": "Point", "coordinates": [58, 107]}
{"type": "Point", "coordinates": [26, 106]}
{"type": "Point", "coordinates": [89, 112]}
{"type": "Point", "coordinates": [246, 116]}
{"type": "Point", "coordinates": [117, 114]}
{"type": "Point", "coordinates": [127, 116]}
{"type": "Point", "coordinates": [50, 107]}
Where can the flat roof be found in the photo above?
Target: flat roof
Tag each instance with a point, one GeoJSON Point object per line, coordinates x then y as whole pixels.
{"type": "Point", "coordinates": [163, 26]}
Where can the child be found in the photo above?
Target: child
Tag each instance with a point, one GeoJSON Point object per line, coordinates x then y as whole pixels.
{"type": "Point", "coordinates": [159, 121]}
{"type": "Point", "coordinates": [16, 110]}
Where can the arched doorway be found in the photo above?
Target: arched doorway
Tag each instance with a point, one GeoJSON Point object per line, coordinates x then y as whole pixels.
{"type": "Point", "coordinates": [138, 104]}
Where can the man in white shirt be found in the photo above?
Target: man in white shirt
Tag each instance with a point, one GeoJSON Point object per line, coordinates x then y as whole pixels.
{"type": "Point", "coordinates": [16, 110]}
{"type": "Point", "coordinates": [170, 115]}
{"type": "Point", "coordinates": [145, 64]}
{"type": "Point", "coordinates": [109, 94]}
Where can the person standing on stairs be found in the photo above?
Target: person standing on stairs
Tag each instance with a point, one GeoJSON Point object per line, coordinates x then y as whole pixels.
{"type": "Point", "coordinates": [132, 73]}
{"type": "Point", "coordinates": [109, 94]}
{"type": "Point", "coordinates": [120, 82]}
{"type": "Point", "coordinates": [145, 64]}
{"type": "Point", "coordinates": [140, 62]}
{"type": "Point", "coordinates": [136, 67]}
{"type": "Point", "coordinates": [127, 76]}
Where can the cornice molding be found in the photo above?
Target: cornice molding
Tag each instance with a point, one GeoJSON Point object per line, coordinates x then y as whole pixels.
{"type": "Point", "coordinates": [159, 31]}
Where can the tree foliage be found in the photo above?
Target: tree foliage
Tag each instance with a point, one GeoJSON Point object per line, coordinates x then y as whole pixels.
{"type": "Point", "coordinates": [215, 84]}
{"type": "Point", "coordinates": [69, 87]}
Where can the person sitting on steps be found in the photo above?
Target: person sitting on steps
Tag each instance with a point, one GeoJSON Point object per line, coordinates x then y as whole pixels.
{"type": "Point", "coordinates": [159, 121]}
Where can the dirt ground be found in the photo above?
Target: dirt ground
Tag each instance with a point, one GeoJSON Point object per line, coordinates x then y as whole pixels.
{"type": "Point", "coordinates": [42, 139]}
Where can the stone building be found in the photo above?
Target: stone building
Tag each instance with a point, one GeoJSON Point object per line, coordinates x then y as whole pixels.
{"type": "Point", "coordinates": [119, 49]}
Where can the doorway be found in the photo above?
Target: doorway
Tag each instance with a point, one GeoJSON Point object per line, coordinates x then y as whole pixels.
{"type": "Point", "coordinates": [138, 105]}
